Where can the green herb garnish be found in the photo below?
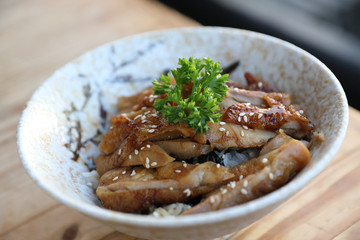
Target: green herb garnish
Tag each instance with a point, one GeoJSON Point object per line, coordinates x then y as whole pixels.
{"type": "Point", "coordinates": [195, 98]}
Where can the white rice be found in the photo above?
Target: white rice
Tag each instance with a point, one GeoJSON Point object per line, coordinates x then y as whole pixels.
{"type": "Point", "coordinates": [174, 209]}
{"type": "Point", "coordinates": [91, 178]}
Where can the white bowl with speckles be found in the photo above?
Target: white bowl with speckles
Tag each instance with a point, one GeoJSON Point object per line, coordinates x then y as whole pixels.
{"type": "Point", "coordinates": [61, 125]}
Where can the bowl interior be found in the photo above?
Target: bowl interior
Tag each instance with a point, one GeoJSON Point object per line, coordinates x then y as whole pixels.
{"type": "Point", "coordinates": [61, 126]}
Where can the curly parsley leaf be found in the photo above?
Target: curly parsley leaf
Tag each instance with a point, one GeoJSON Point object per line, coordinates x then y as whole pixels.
{"type": "Point", "coordinates": [195, 98]}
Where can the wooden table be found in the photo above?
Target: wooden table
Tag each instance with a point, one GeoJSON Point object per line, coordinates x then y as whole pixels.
{"type": "Point", "coordinates": [38, 36]}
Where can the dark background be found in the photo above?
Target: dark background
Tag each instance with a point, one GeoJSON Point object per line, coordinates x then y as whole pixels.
{"type": "Point", "coordinates": [328, 29]}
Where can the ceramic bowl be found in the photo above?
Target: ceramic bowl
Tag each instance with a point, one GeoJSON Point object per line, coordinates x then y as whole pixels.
{"type": "Point", "coordinates": [61, 126]}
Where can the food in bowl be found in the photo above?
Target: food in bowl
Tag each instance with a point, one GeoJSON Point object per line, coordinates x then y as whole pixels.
{"type": "Point", "coordinates": [59, 129]}
{"type": "Point", "coordinates": [202, 140]}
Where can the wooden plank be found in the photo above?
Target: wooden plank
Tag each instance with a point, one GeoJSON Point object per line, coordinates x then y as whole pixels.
{"type": "Point", "coordinates": [61, 222]}
{"type": "Point", "coordinates": [20, 199]}
{"type": "Point", "coordinates": [351, 233]}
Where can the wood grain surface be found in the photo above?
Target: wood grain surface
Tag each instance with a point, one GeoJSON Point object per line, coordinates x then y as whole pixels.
{"type": "Point", "coordinates": [37, 37]}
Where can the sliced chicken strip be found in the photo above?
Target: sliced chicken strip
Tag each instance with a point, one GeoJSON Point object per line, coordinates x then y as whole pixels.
{"type": "Point", "coordinates": [228, 135]}
{"type": "Point", "coordinates": [280, 166]}
{"type": "Point", "coordinates": [258, 84]}
{"type": "Point", "coordinates": [136, 189]}
{"type": "Point", "coordinates": [128, 104]}
{"type": "Point", "coordinates": [184, 148]}
{"type": "Point", "coordinates": [121, 128]}
{"type": "Point", "coordinates": [255, 98]}
{"type": "Point", "coordinates": [149, 155]}
{"type": "Point", "coordinates": [273, 118]}
{"type": "Point", "coordinates": [280, 139]}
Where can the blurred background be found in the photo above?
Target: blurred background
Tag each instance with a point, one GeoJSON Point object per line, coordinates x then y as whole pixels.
{"type": "Point", "coordinates": [328, 29]}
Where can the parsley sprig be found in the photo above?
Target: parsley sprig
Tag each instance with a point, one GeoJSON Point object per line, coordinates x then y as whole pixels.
{"type": "Point", "coordinates": [195, 98]}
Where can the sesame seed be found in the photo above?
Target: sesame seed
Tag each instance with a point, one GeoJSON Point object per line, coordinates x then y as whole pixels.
{"type": "Point", "coordinates": [147, 112]}
{"type": "Point", "coordinates": [242, 133]}
{"type": "Point", "coordinates": [222, 129]}
{"type": "Point", "coordinates": [241, 177]}
{"type": "Point", "coordinates": [239, 119]}
{"type": "Point", "coordinates": [130, 156]}
{"type": "Point", "coordinates": [245, 118]}
{"type": "Point", "coordinates": [132, 173]}
{"type": "Point", "coordinates": [218, 165]}
{"type": "Point", "coordinates": [246, 183]}
{"type": "Point", "coordinates": [143, 108]}
{"type": "Point", "coordinates": [154, 115]}
{"type": "Point", "coordinates": [245, 127]}
{"type": "Point", "coordinates": [227, 133]}
{"type": "Point", "coordinates": [148, 145]}
{"type": "Point", "coordinates": [115, 178]}
{"type": "Point", "coordinates": [222, 123]}
{"type": "Point", "coordinates": [153, 164]}
{"type": "Point", "coordinates": [260, 115]}
{"type": "Point", "coordinates": [143, 117]}
{"type": "Point", "coordinates": [153, 126]}
{"type": "Point", "coordinates": [212, 199]}
{"type": "Point", "coordinates": [244, 191]}
{"type": "Point", "coordinates": [185, 164]}
{"type": "Point", "coordinates": [232, 184]}
{"type": "Point", "coordinates": [142, 148]}
{"type": "Point", "coordinates": [187, 192]}
{"type": "Point", "coordinates": [194, 146]}
{"type": "Point", "coordinates": [260, 84]}
{"type": "Point", "coordinates": [301, 111]}
{"type": "Point", "coordinates": [264, 160]}
{"type": "Point", "coordinates": [271, 176]}
{"type": "Point", "coordinates": [137, 116]}
{"type": "Point", "coordinates": [136, 152]}
{"type": "Point", "coordinates": [143, 121]}
{"type": "Point", "coordinates": [250, 114]}
{"type": "Point", "coordinates": [147, 162]}
{"type": "Point", "coordinates": [178, 171]}
{"type": "Point", "coordinates": [171, 188]}
{"type": "Point", "coordinates": [119, 152]}
{"type": "Point", "coordinates": [242, 114]}
{"type": "Point", "coordinates": [223, 190]}
{"type": "Point", "coordinates": [123, 172]}
{"type": "Point", "coordinates": [151, 130]}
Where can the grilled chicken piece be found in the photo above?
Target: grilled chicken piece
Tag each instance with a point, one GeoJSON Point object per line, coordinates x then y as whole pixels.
{"type": "Point", "coordinates": [121, 128]}
{"type": "Point", "coordinates": [184, 148]}
{"type": "Point", "coordinates": [136, 189]}
{"type": "Point", "coordinates": [250, 167]}
{"type": "Point", "coordinates": [255, 98]}
{"type": "Point", "coordinates": [128, 104]}
{"type": "Point", "coordinates": [280, 139]}
{"type": "Point", "coordinates": [278, 168]}
{"type": "Point", "coordinates": [149, 155]}
{"type": "Point", "coordinates": [131, 136]}
{"type": "Point", "coordinates": [273, 118]}
{"type": "Point", "coordinates": [221, 136]}
{"type": "Point", "coordinates": [258, 84]}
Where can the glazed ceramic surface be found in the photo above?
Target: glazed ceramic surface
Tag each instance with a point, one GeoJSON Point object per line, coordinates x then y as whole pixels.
{"type": "Point", "coordinates": [62, 124]}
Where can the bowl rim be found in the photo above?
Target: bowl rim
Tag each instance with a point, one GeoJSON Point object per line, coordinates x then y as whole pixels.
{"type": "Point", "coordinates": [230, 213]}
